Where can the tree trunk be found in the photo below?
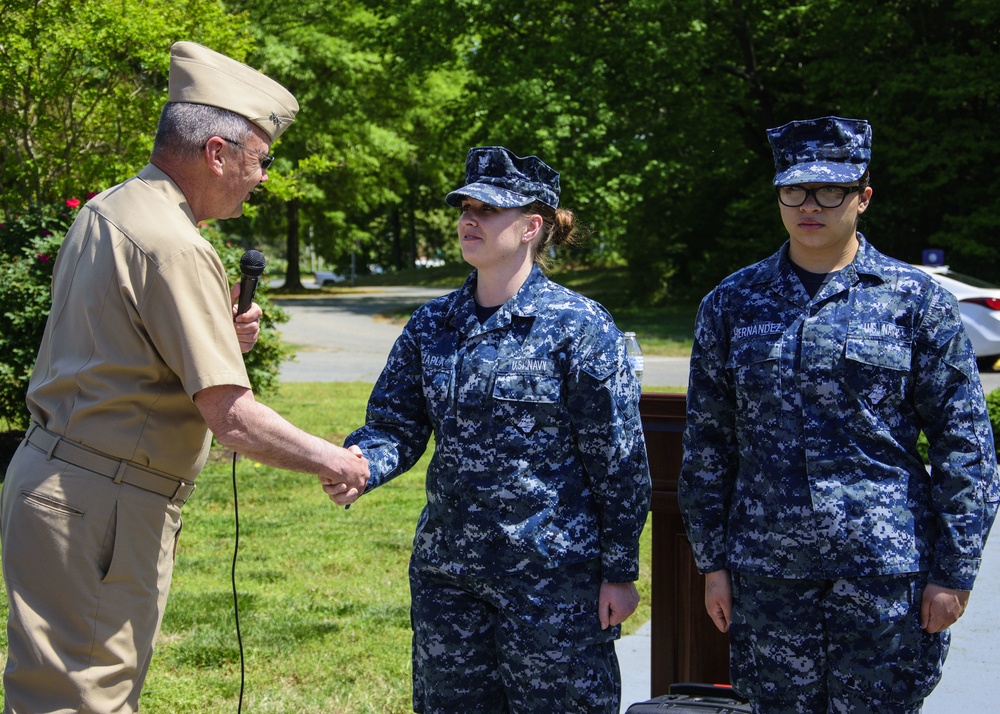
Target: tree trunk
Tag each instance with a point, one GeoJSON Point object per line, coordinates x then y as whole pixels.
{"type": "Point", "coordinates": [293, 279]}
{"type": "Point", "coordinates": [413, 229]}
{"type": "Point", "coordinates": [396, 227]}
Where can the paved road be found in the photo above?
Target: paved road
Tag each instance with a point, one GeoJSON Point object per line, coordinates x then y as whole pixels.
{"type": "Point", "coordinates": [339, 340]}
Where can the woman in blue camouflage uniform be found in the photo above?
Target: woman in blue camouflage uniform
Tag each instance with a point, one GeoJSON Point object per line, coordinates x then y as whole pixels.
{"type": "Point", "coordinates": [526, 552]}
{"type": "Point", "coordinates": [833, 557]}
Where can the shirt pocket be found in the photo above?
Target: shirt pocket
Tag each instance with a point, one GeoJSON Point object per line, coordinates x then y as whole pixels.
{"type": "Point", "coordinates": [526, 402]}
{"type": "Point", "coordinates": [756, 372]}
{"type": "Point", "coordinates": [878, 368]}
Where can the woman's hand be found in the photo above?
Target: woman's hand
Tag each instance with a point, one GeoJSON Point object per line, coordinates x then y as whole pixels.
{"type": "Point", "coordinates": [616, 602]}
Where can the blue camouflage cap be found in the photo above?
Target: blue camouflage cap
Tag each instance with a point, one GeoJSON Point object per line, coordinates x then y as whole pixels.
{"type": "Point", "coordinates": [494, 175]}
{"type": "Point", "coordinates": [824, 150]}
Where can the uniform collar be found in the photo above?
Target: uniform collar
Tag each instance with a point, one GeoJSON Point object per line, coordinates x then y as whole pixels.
{"type": "Point", "coordinates": [869, 262]}
{"type": "Point", "coordinates": [524, 303]}
{"type": "Point", "coordinates": [160, 182]}
{"type": "Point", "coordinates": [777, 270]}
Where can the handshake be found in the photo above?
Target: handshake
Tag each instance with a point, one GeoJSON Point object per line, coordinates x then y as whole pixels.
{"type": "Point", "coordinates": [345, 484]}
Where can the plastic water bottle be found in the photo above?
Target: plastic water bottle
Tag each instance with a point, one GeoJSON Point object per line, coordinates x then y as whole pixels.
{"type": "Point", "coordinates": [634, 352]}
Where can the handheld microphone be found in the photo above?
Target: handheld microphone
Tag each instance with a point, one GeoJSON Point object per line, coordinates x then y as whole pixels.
{"type": "Point", "coordinates": [251, 268]}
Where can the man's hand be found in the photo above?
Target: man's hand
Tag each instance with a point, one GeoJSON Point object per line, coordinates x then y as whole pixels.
{"type": "Point", "coordinates": [248, 324]}
{"type": "Point", "coordinates": [719, 598]}
{"type": "Point", "coordinates": [616, 602]}
{"type": "Point", "coordinates": [345, 483]}
{"type": "Point", "coordinates": [941, 607]}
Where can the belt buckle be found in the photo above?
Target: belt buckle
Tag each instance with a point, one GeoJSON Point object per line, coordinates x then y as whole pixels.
{"type": "Point", "coordinates": [183, 491]}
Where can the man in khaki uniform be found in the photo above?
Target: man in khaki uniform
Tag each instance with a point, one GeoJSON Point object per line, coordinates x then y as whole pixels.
{"type": "Point", "coordinates": [139, 365]}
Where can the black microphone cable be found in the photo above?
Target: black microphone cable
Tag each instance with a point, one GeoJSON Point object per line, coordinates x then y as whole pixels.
{"type": "Point", "coordinates": [251, 268]}
{"type": "Point", "coordinates": [236, 602]}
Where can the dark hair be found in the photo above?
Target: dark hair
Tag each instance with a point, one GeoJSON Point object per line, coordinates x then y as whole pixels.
{"type": "Point", "coordinates": [864, 182]}
{"type": "Point", "coordinates": [558, 228]}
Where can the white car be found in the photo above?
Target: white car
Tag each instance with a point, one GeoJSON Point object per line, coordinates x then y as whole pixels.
{"type": "Point", "coordinates": [325, 277]}
{"type": "Point", "coordinates": [979, 303]}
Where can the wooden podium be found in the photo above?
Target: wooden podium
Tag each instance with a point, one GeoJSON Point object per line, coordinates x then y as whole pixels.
{"type": "Point", "coordinates": [685, 645]}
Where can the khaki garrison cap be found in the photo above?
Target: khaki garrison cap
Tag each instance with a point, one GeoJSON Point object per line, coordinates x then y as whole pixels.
{"type": "Point", "coordinates": [199, 75]}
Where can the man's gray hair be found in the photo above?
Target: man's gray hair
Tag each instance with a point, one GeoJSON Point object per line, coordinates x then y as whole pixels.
{"type": "Point", "coordinates": [184, 128]}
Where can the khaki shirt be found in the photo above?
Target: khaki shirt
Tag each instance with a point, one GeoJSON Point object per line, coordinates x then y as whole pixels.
{"type": "Point", "coordinates": [141, 320]}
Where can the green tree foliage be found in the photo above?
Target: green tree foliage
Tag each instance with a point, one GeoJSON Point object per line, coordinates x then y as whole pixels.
{"type": "Point", "coordinates": [655, 111]}
{"type": "Point", "coordinates": [359, 166]}
{"type": "Point", "coordinates": [81, 86]}
{"type": "Point", "coordinates": [993, 405]}
{"type": "Point", "coordinates": [29, 243]}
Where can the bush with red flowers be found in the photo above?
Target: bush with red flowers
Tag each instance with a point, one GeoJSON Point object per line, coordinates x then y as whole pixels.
{"type": "Point", "coordinates": [29, 242]}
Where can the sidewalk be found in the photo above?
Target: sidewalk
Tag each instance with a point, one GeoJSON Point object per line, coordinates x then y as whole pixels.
{"type": "Point", "coordinates": [633, 659]}
{"type": "Point", "coordinates": [972, 667]}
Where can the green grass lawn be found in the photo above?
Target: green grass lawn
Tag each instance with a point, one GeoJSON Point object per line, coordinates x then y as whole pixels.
{"type": "Point", "coordinates": [323, 592]}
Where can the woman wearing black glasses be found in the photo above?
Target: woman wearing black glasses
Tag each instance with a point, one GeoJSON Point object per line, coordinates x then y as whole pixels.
{"type": "Point", "coordinates": [833, 557]}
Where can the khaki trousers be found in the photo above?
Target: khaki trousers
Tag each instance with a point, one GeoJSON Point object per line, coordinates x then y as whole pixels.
{"type": "Point", "coordinates": [87, 564]}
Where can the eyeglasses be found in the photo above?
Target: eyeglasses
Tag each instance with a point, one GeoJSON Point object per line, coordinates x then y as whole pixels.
{"type": "Point", "coordinates": [825, 196]}
{"type": "Point", "coordinates": [265, 159]}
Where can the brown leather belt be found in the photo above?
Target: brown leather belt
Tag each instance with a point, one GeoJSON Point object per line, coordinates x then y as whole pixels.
{"type": "Point", "coordinates": [118, 470]}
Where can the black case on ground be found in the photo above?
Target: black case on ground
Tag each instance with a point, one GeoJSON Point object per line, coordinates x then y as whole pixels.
{"type": "Point", "coordinates": [692, 699]}
{"type": "Point", "coordinates": [685, 704]}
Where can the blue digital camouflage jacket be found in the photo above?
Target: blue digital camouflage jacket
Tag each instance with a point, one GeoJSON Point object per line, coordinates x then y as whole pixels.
{"type": "Point", "coordinates": [800, 451]}
{"type": "Point", "coordinates": [539, 459]}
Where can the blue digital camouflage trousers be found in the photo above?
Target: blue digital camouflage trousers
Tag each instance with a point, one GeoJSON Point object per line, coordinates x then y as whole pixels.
{"type": "Point", "coordinates": [524, 643]}
{"type": "Point", "coordinates": [844, 646]}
